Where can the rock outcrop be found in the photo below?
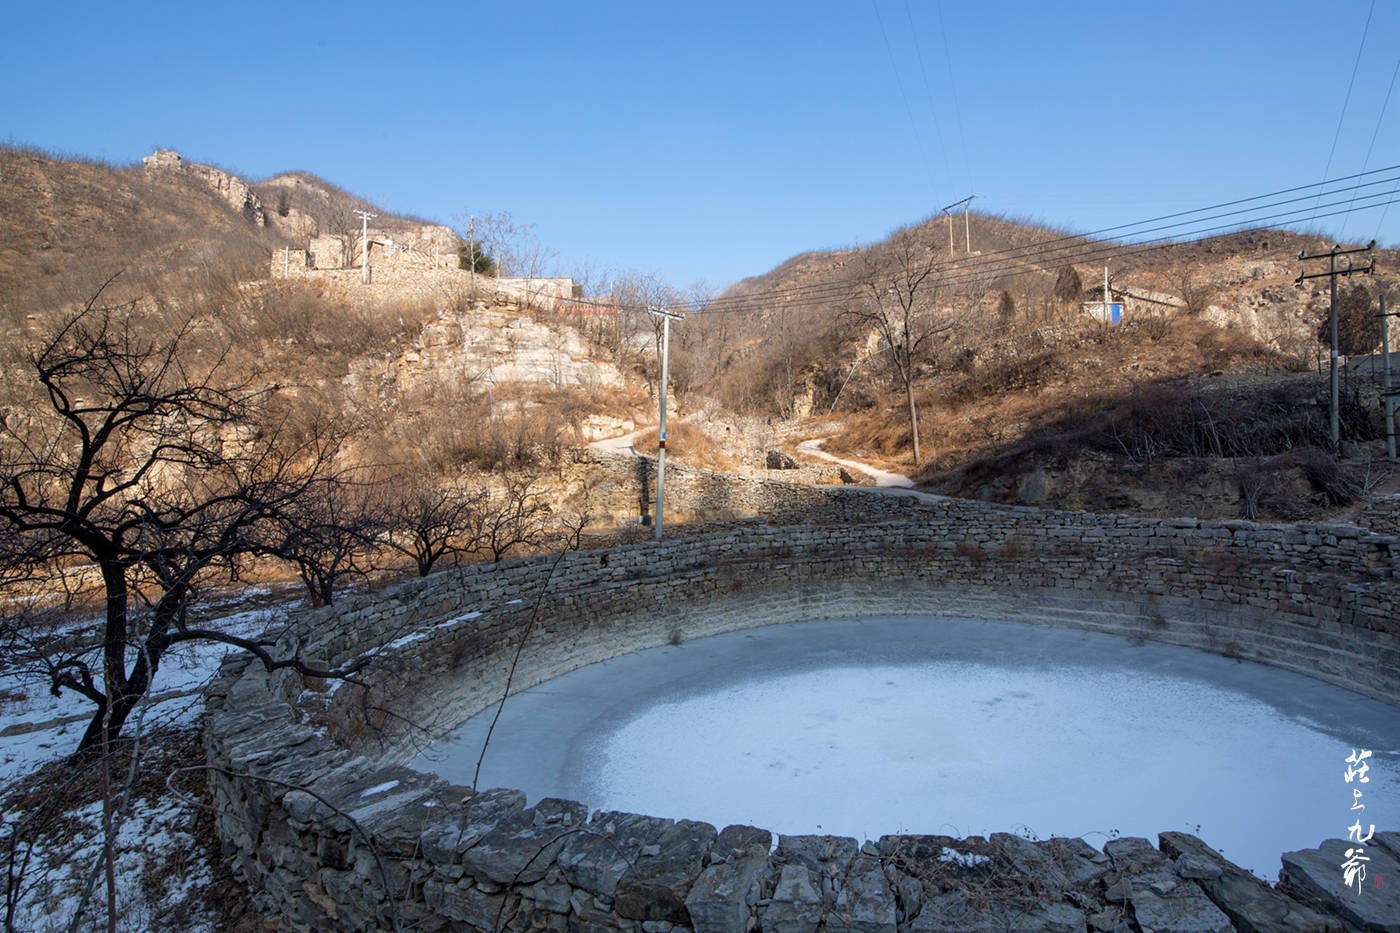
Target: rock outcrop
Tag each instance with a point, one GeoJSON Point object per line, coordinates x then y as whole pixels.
{"type": "Point", "coordinates": [231, 188]}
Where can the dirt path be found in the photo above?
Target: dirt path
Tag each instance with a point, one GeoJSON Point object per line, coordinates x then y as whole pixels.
{"type": "Point", "coordinates": [883, 478]}
{"type": "Point", "coordinates": [622, 444]}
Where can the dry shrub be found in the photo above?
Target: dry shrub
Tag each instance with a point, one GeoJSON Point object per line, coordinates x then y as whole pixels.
{"type": "Point", "coordinates": [689, 443]}
{"type": "Point", "coordinates": [1326, 475]}
{"type": "Point", "coordinates": [1253, 477]}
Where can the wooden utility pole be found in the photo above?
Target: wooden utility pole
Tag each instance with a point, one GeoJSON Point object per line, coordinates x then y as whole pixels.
{"type": "Point", "coordinates": [1334, 418]}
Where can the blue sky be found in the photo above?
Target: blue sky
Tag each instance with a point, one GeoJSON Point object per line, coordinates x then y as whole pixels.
{"type": "Point", "coordinates": [712, 141]}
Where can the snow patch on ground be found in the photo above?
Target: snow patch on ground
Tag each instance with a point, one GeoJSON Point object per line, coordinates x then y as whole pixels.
{"type": "Point", "coordinates": [162, 874]}
{"type": "Point", "coordinates": [379, 789]}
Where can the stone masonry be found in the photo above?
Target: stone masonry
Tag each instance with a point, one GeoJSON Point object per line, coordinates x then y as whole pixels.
{"type": "Point", "coordinates": [331, 831]}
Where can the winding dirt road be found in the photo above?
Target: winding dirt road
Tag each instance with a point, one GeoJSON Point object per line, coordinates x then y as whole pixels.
{"type": "Point", "coordinates": [883, 478]}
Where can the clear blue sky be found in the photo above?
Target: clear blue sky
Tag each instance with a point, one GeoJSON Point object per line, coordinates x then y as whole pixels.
{"type": "Point", "coordinates": [712, 141]}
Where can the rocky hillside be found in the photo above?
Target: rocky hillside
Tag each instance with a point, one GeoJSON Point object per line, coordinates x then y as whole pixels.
{"type": "Point", "coordinates": [1195, 403]}
{"type": "Point", "coordinates": [72, 225]}
{"type": "Point", "coordinates": [416, 355]}
{"type": "Point", "coordinates": [165, 226]}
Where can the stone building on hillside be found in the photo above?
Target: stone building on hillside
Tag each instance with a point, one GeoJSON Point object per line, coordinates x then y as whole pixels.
{"type": "Point", "coordinates": [1126, 302]}
{"type": "Point", "coordinates": [328, 252]}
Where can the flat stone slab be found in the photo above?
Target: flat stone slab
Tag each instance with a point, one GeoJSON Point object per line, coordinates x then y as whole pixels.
{"type": "Point", "coordinates": [1315, 875]}
{"type": "Point", "coordinates": [444, 840]}
{"type": "Point", "coordinates": [829, 855]}
{"type": "Point", "coordinates": [864, 900]}
{"type": "Point", "coordinates": [1162, 901]}
{"type": "Point", "coordinates": [656, 885]}
{"type": "Point", "coordinates": [522, 847]}
{"type": "Point", "coordinates": [596, 860]}
{"type": "Point", "coordinates": [796, 906]}
{"type": "Point", "coordinates": [723, 896]}
{"type": "Point", "coordinates": [1251, 905]}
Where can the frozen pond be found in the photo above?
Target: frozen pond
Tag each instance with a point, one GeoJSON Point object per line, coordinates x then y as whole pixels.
{"type": "Point", "coordinates": [864, 727]}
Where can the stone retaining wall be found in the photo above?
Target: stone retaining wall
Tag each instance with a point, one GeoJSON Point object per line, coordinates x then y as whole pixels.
{"type": "Point", "coordinates": [623, 487]}
{"type": "Point", "coordinates": [332, 832]}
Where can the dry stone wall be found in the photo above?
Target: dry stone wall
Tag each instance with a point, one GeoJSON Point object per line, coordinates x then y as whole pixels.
{"type": "Point", "coordinates": [331, 831]}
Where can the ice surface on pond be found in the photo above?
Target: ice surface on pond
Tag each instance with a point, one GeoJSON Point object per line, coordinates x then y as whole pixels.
{"type": "Point", "coordinates": [874, 726]}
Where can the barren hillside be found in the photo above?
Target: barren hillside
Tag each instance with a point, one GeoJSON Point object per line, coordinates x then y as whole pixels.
{"type": "Point", "coordinates": [1196, 402]}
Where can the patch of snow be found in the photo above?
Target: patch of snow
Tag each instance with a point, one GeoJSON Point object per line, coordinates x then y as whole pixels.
{"type": "Point", "coordinates": [379, 788]}
{"type": "Point", "coordinates": [963, 859]}
{"type": "Point", "coordinates": [152, 831]}
{"type": "Point", "coordinates": [158, 862]}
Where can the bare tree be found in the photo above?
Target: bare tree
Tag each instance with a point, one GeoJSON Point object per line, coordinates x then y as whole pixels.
{"type": "Point", "coordinates": [636, 292]}
{"type": "Point", "coordinates": [897, 296]}
{"type": "Point", "coordinates": [1358, 323]}
{"type": "Point", "coordinates": [142, 462]}
{"type": "Point", "coordinates": [429, 520]}
{"type": "Point", "coordinates": [329, 532]}
{"type": "Point", "coordinates": [513, 519]}
{"type": "Point", "coordinates": [511, 247]}
{"type": "Point", "coordinates": [1196, 289]}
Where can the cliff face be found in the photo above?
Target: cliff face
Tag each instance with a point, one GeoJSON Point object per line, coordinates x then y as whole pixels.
{"type": "Point", "coordinates": [235, 191]}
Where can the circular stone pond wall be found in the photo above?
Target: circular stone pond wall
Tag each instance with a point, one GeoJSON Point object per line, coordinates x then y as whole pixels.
{"type": "Point", "coordinates": [330, 829]}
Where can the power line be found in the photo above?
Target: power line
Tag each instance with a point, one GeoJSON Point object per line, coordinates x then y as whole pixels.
{"type": "Point", "coordinates": [1093, 253]}
{"type": "Point", "coordinates": [1069, 249]}
{"type": "Point", "coordinates": [928, 91]}
{"type": "Point", "coordinates": [1380, 222]}
{"type": "Point", "coordinates": [1386, 210]}
{"type": "Point", "coordinates": [1347, 100]}
{"type": "Point", "coordinates": [953, 90]}
{"type": "Point", "coordinates": [908, 110]}
{"type": "Point", "coordinates": [1072, 248]}
{"type": "Point", "coordinates": [1127, 229]}
{"type": "Point", "coordinates": [1376, 132]}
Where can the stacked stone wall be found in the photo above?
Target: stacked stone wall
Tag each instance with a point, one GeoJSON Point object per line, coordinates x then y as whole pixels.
{"type": "Point", "coordinates": [330, 829]}
{"type": "Point", "coordinates": [1381, 515]}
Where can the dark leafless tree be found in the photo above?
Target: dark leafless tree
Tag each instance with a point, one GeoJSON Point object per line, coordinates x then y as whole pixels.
{"type": "Point", "coordinates": [514, 519]}
{"type": "Point", "coordinates": [139, 464]}
{"type": "Point", "coordinates": [896, 297]}
{"type": "Point", "coordinates": [429, 520]}
{"type": "Point", "coordinates": [329, 532]}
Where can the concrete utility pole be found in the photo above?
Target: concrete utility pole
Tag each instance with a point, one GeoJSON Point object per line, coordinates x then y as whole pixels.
{"type": "Point", "coordinates": [666, 318]}
{"type": "Point", "coordinates": [1386, 391]}
{"type": "Point", "coordinates": [364, 243]}
{"type": "Point", "coordinates": [1334, 422]}
{"type": "Point", "coordinates": [967, 224]}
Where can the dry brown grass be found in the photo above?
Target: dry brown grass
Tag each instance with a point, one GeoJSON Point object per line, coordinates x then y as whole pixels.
{"type": "Point", "coordinates": [1034, 376]}
{"type": "Point", "coordinates": [71, 224]}
{"type": "Point", "coordinates": [688, 442]}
